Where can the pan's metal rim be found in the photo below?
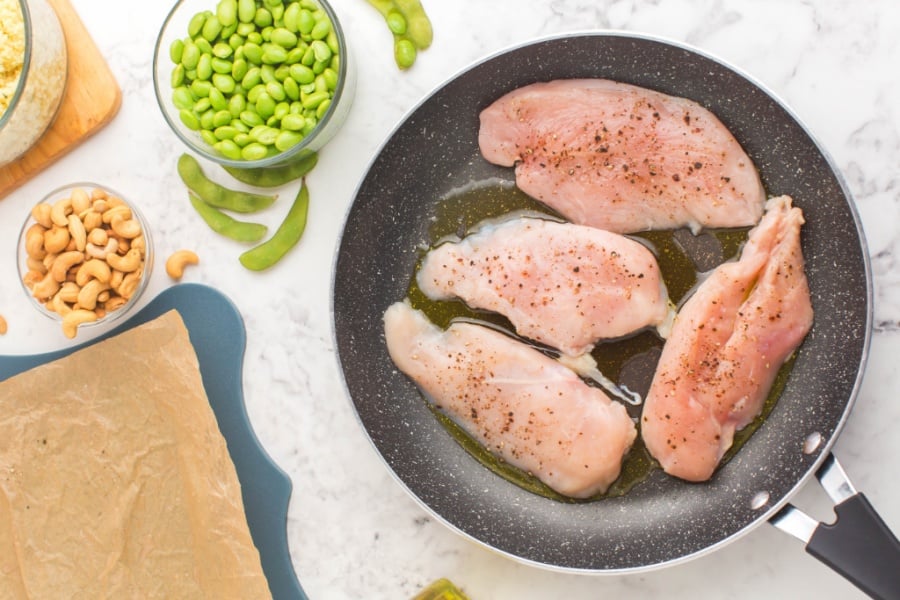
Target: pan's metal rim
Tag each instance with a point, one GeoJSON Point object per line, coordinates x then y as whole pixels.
{"type": "Point", "coordinates": [825, 448]}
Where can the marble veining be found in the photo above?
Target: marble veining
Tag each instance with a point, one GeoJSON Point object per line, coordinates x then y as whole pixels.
{"type": "Point", "coordinates": [353, 530]}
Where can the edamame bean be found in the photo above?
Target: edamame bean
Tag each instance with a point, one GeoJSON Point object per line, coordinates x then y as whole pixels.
{"type": "Point", "coordinates": [291, 16]}
{"type": "Point", "coordinates": [396, 22]}
{"type": "Point", "coordinates": [222, 50]}
{"type": "Point", "coordinates": [189, 119]}
{"type": "Point", "coordinates": [275, 176]}
{"type": "Point", "coordinates": [223, 82]}
{"type": "Point", "coordinates": [226, 12]}
{"type": "Point", "coordinates": [217, 195]}
{"type": "Point", "coordinates": [236, 105]}
{"type": "Point", "coordinates": [176, 48]}
{"type": "Point", "coordinates": [265, 105]}
{"type": "Point", "coordinates": [211, 29]}
{"type": "Point", "coordinates": [286, 140]}
{"type": "Point", "coordinates": [190, 55]}
{"type": "Point", "coordinates": [223, 224]}
{"type": "Point", "coordinates": [204, 67]}
{"type": "Point", "coordinates": [178, 75]}
{"type": "Point", "coordinates": [228, 149]}
{"type": "Point", "coordinates": [404, 53]}
{"type": "Point", "coordinates": [220, 65]}
{"type": "Point", "coordinates": [273, 54]}
{"type": "Point", "coordinates": [239, 69]}
{"type": "Point", "coordinates": [285, 237]}
{"type": "Point", "coordinates": [182, 98]}
{"type": "Point", "coordinates": [254, 151]}
{"type": "Point", "coordinates": [246, 11]}
{"type": "Point", "coordinates": [195, 25]}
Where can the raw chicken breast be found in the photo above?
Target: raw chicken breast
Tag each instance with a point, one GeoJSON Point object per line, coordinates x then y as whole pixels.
{"type": "Point", "coordinates": [560, 284]}
{"type": "Point", "coordinates": [523, 406]}
{"type": "Point", "coordinates": [621, 157]}
{"type": "Point", "coordinates": [726, 347]}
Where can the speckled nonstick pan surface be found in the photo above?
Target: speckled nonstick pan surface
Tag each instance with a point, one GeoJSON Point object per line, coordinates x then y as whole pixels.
{"type": "Point", "coordinates": [662, 520]}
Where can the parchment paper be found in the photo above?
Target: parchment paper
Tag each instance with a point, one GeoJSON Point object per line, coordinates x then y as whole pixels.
{"type": "Point", "coordinates": [115, 481]}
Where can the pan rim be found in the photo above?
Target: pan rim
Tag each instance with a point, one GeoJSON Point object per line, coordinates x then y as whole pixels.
{"type": "Point", "coordinates": [768, 510]}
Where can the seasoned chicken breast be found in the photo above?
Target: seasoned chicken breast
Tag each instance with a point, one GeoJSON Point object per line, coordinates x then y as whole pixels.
{"type": "Point", "coordinates": [560, 284]}
{"type": "Point", "coordinates": [726, 346]}
{"type": "Point", "coordinates": [523, 406]}
{"type": "Point", "coordinates": [621, 157]}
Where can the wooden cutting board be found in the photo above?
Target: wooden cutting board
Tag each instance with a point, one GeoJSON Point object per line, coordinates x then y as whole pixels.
{"type": "Point", "coordinates": [91, 99]}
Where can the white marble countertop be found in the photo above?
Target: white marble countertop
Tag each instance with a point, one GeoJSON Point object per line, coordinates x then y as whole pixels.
{"type": "Point", "coordinates": [353, 531]}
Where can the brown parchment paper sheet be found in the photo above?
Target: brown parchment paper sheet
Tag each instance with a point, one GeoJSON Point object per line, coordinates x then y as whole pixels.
{"type": "Point", "coordinates": [115, 481]}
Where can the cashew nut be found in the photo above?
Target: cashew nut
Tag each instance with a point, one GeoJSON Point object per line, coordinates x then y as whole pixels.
{"type": "Point", "coordinates": [58, 304]}
{"type": "Point", "coordinates": [127, 264]}
{"type": "Point", "coordinates": [115, 279]}
{"type": "Point", "coordinates": [75, 318]}
{"type": "Point", "coordinates": [33, 276]}
{"type": "Point", "coordinates": [3, 325]}
{"type": "Point", "coordinates": [100, 206]}
{"type": "Point", "coordinates": [41, 215]}
{"type": "Point", "coordinates": [34, 241]}
{"type": "Point", "coordinates": [64, 262]}
{"type": "Point", "coordinates": [92, 220]}
{"type": "Point", "coordinates": [56, 239]}
{"type": "Point", "coordinates": [59, 212]}
{"type": "Point", "coordinates": [45, 288]}
{"type": "Point", "coordinates": [80, 201]}
{"type": "Point", "coordinates": [98, 237]}
{"type": "Point", "coordinates": [97, 252]}
{"type": "Point", "coordinates": [126, 228]}
{"type": "Point", "coordinates": [129, 284]}
{"type": "Point", "coordinates": [93, 269]}
{"type": "Point", "coordinates": [177, 262]}
{"type": "Point", "coordinates": [34, 264]}
{"type": "Point", "coordinates": [77, 232]}
{"type": "Point", "coordinates": [98, 194]}
{"type": "Point", "coordinates": [115, 303]}
{"type": "Point", "coordinates": [69, 292]}
{"type": "Point", "coordinates": [114, 211]}
{"type": "Point", "coordinates": [87, 297]}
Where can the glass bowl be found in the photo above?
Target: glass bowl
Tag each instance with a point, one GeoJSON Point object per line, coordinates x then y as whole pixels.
{"type": "Point", "coordinates": [222, 113]}
{"type": "Point", "coordinates": [101, 266]}
{"type": "Point", "coordinates": [34, 59]}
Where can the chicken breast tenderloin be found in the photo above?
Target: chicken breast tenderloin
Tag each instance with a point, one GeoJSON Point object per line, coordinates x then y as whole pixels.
{"type": "Point", "coordinates": [560, 284]}
{"type": "Point", "coordinates": [726, 346]}
{"type": "Point", "coordinates": [621, 157]}
{"type": "Point", "coordinates": [523, 406]}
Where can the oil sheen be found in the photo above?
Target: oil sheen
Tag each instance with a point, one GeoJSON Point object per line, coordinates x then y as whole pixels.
{"type": "Point", "coordinates": [683, 259]}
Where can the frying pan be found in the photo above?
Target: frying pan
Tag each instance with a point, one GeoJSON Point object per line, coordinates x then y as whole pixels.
{"type": "Point", "coordinates": [662, 521]}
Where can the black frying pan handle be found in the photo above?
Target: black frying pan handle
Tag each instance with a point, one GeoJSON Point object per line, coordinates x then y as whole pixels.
{"type": "Point", "coordinates": [858, 545]}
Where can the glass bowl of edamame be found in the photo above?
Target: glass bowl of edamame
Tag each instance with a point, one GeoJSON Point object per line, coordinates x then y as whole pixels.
{"type": "Point", "coordinates": [253, 83]}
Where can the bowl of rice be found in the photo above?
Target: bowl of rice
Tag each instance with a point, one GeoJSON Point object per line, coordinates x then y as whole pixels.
{"type": "Point", "coordinates": [33, 66]}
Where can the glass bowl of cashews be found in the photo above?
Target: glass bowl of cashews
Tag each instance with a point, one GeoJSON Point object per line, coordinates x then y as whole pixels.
{"type": "Point", "coordinates": [84, 255]}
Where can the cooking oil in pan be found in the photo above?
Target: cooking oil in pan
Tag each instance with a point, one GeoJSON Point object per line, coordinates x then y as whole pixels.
{"type": "Point", "coordinates": [630, 361]}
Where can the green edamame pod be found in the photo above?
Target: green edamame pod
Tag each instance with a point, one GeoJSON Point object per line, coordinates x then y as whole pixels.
{"type": "Point", "coordinates": [275, 176]}
{"type": "Point", "coordinates": [418, 25]}
{"type": "Point", "coordinates": [223, 224]}
{"type": "Point", "coordinates": [217, 195]}
{"type": "Point", "coordinates": [285, 237]}
{"type": "Point", "coordinates": [410, 25]}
